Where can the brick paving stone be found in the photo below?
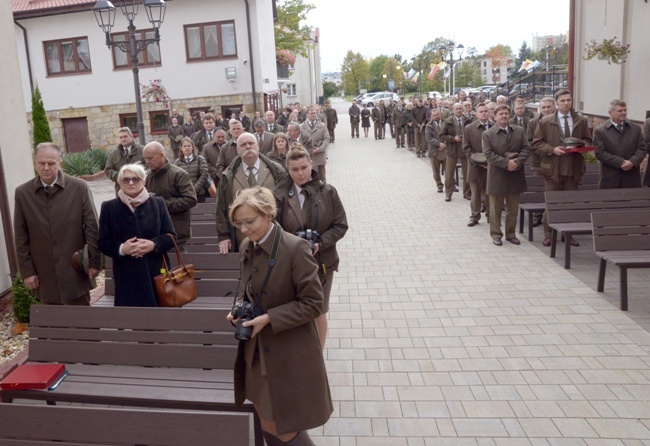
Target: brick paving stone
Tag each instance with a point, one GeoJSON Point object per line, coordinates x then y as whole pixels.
{"type": "Point", "coordinates": [437, 337]}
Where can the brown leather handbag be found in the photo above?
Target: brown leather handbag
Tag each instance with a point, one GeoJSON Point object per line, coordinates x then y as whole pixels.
{"type": "Point", "coordinates": [175, 287]}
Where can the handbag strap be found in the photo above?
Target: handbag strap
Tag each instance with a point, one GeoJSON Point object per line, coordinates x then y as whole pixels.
{"type": "Point", "coordinates": [178, 251]}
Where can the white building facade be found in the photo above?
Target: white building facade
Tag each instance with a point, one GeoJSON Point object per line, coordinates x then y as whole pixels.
{"type": "Point", "coordinates": [204, 60]}
{"type": "Point", "coordinates": [304, 83]}
{"type": "Point", "coordinates": [596, 81]}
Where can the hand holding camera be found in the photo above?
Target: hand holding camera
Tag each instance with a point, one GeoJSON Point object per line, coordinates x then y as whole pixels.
{"type": "Point", "coordinates": [245, 312]}
{"type": "Point", "coordinates": [313, 238]}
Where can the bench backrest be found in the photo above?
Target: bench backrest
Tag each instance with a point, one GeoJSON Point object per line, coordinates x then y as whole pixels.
{"type": "Point", "coordinates": [621, 231]}
{"type": "Point", "coordinates": [215, 274]}
{"type": "Point", "coordinates": [577, 206]}
{"type": "Point", "coordinates": [60, 425]}
{"type": "Point", "coordinates": [156, 337]}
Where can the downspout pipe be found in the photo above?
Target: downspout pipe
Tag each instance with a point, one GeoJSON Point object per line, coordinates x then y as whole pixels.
{"type": "Point", "coordinates": [29, 60]}
{"type": "Point", "coordinates": [572, 43]}
{"type": "Point", "coordinates": [7, 227]}
{"type": "Point", "coordinates": [250, 54]}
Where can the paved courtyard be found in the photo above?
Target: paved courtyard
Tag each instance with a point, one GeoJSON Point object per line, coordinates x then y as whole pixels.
{"type": "Point", "coordinates": [437, 337]}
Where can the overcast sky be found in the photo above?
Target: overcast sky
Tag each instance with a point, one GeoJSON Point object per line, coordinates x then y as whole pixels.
{"type": "Point", "coordinates": [374, 27]}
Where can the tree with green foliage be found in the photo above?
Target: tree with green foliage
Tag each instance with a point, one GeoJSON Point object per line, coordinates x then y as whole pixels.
{"type": "Point", "coordinates": [468, 74]}
{"type": "Point", "coordinates": [354, 72]}
{"type": "Point", "coordinates": [524, 53]}
{"type": "Point", "coordinates": [377, 81]}
{"type": "Point", "coordinates": [329, 89]}
{"type": "Point", "coordinates": [39, 119]}
{"type": "Point", "coordinates": [289, 34]}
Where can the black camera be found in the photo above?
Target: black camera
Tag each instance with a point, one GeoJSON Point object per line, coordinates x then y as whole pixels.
{"type": "Point", "coordinates": [312, 236]}
{"type": "Point", "coordinates": [245, 312]}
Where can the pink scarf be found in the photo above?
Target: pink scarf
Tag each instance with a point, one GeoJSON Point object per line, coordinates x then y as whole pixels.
{"type": "Point", "coordinates": [133, 203]}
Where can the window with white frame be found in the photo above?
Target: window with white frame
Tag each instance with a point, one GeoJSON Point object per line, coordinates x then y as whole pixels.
{"type": "Point", "coordinates": [291, 89]}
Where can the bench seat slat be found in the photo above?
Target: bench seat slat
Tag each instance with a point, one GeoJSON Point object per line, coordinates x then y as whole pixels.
{"type": "Point", "coordinates": [151, 355]}
{"type": "Point", "coordinates": [119, 426]}
{"type": "Point", "coordinates": [174, 337]}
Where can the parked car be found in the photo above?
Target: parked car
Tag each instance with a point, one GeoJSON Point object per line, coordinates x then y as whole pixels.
{"type": "Point", "coordinates": [364, 96]}
{"type": "Point", "coordinates": [384, 95]}
{"type": "Point", "coordinates": [436, 94]}
{"type": "Point", "coordinates": [485, 88]}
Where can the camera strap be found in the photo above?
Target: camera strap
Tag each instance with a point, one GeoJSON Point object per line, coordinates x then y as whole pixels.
{"type": "Point", "coordinates": [272, 261]}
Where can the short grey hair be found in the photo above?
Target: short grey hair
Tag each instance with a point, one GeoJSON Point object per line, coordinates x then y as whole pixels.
{"type": "Point", "coordinates": [293, 126]}
{"type": "Point", "coordinates": [616, 103]}
{"type": "Point", "coordinates": [125, 130]}
{"type": "Point", "coordinates": [135, 168]}
{"type": "Point", "coordinates": [258, 124]}
{"type": "Point", "coordinates": [48, 146]}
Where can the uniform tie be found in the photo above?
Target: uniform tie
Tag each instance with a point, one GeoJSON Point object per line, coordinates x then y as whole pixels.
{"type": "Point", "coordinates": [252, 182]}
{"type": "Point", "coordinates": [210, 136]}
{"type": "Point", "coordinates": [567, 129]}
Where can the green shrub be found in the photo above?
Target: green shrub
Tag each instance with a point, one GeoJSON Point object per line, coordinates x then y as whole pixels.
{"type": "Point", "coordinates": [80, 163]}
{"type": "Point", "coordinates": [23, 299]}
{"type": "Point", "coordinates": [99, 156]}
{"type": "Point", "coordinates": [590, 158]}
{"type": "Point", "coordinates": [39, 119]}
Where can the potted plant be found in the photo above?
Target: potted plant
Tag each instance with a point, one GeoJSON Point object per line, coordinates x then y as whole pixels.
{"type": "Point", "coordinates": [155, 91]}
{"type": "Point", "coordinates": [285, 57]}
{"type": "Point", "coordinates": [610, 50]}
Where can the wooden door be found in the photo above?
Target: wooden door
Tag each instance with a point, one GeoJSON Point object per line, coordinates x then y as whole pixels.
{"type": "Point", "coordinates": [75, 132]}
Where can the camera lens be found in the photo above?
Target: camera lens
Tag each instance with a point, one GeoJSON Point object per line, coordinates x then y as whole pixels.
{"type": "Point", "coordinates": [243, 333]}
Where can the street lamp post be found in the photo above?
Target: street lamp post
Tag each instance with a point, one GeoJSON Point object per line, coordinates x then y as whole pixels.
{"type": "Point", "coordinates": [105, 16]}
{"type": "Point", "coordinates": [449, 51]}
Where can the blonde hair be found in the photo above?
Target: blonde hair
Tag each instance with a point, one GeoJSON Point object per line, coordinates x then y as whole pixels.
{"type": "Point", "coordinates": [137, 169]}
{"type": "Point", "coordinates": [259, 198]}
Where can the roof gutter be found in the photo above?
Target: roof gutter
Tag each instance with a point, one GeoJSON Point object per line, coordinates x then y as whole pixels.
{"type": "Point", "coordinates": [29, 59]}
{"type": "Point", "coordinates": [250, 55]}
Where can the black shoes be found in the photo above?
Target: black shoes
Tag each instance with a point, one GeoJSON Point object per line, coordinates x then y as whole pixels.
{"type": "Point", "coordinates": [439, 189]}
{"type": "Point", "coordinates": [447, 198]}
{"type": "Point", "coordinates": [472, 223]}
{"type": "Point", "coordinates": [497, 241]}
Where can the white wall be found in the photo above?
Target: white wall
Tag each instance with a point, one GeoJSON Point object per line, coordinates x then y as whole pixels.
{"type": "Point", "coordinates": [182, 79]}
{"type": "Point", "coordinates": [266, 74]}
{"type": "Point", "coordinates": [597, 82]}
{"type": "Point", "coordinates": [14, 133]}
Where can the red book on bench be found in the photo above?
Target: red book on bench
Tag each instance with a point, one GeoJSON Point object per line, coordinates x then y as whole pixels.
{"type": "Point", "coordinates": [32, 376]}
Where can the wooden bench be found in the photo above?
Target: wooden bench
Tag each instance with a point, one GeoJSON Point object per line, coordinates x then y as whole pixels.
{"type": "Point", "coordinates": [532, 201]}
{"type": "Point", "coordinates": [217, 279]}
{"type": "Point", "coordinates": [56, 425]}
{"type": "Point", "coordinates": [622, 238]}
{"type": "Point", "coordinates": [569, 212]}
{"type": "Point", "coordinates": [145, 357]}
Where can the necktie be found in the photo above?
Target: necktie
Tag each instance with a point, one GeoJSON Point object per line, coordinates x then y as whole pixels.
{"type": "Point", "coordinates": [619, 127]}
{"type": "Point", "coordinates": [305, 208]}
{"type": "Point", "coordinates": [312, 123]}
{"type": "Point", "coordinates": [252, 182]}
{"type": "Point", "coordinates": [188, 159]}
{"type": "Point", "coordinates": [521, 122]}
{"type": "Point", "coordinates": [567, 130]}
{"type": "Point", "coordinates": [48, 190]}
{"type": "Point", "coordinates": [210, 136]}
{"type": "Point", "coordinates": [487, 125]}
{"type": "Point", "coordinates": [270, 127]}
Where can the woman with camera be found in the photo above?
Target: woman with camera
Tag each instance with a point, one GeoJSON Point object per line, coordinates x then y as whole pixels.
{"type": "Point", "coordinates": [281, 367]}
{"type": "Point", "coordinates": [312, 209]}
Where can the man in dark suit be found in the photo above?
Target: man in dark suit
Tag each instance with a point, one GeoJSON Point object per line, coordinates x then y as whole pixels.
{"type": "Point", "coordinates": [355, 117]}
{"type": "Point", "coordinates": [271, 125]}
{"type": "Point", "coordinates": [332, 120]}
{"type": "Point", "coordinates": [437, 154]}
{"type": "Point", "coordinates": [378, 117]}
{"type": "Point", "coordinates": [175, 133]}
{"type": "Point", "coordinates": [519, 119]}
{"type": "Point", "coordinates": [620, 148]}
{"type": "Point", "coordinates": [476, 175]}
{"type": "Point", "coordinates": [561, 170]}
{"type": "Point", "coordinates": [506, 149]}
{"type": "Point", "coordinates": [202, 137]}
{"type": "Point", "coordinates": [264, 138]}
{"type": "Point", "coordinates": [452, 135]}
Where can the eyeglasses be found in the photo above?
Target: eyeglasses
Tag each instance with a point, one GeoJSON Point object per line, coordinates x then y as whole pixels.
{"type": "Point", "coordinates": [131, 180]}
{"type": "Point", "coordinates": [248, 223]}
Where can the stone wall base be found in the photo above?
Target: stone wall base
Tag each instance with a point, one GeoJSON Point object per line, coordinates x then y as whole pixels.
{"type": "Point", "coordinates": [104, 120]}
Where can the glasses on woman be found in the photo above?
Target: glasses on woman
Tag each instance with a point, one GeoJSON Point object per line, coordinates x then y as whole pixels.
{"type": "Point", "coordinates": [239, 224]}
{"type": "Point", "coordinates": [131, 180]}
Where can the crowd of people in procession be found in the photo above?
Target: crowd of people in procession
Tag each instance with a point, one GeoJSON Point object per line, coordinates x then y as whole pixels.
{"type": "Point", "coordinates": [491, 141]}
{"type": "Point", "coordinates": [276, 209]}
{"type": "Point", "coordinates": [273, 206]}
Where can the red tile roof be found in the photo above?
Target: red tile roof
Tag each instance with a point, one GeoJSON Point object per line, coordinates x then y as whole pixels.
{"type": "Point", "coordinates": [30, 8]}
